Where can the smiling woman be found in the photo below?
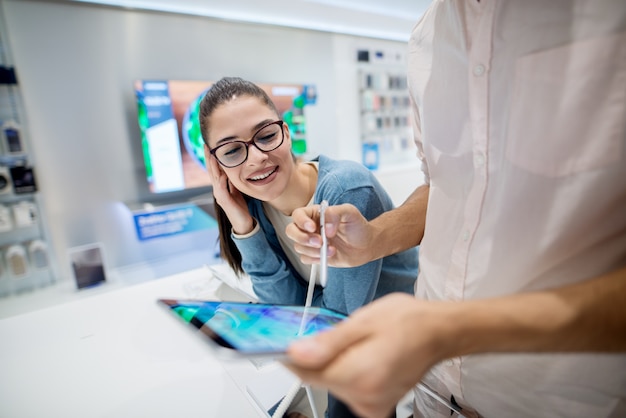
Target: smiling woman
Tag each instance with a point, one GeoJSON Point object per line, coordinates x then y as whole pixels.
{"type": "Point", "coordinates": [258, 183]}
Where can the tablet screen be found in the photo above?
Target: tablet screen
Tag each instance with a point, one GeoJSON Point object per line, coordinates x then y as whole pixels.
{"type": "Point", "coordinates": [251, 328]}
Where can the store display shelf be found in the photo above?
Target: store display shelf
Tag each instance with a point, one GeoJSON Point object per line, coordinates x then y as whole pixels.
{"type": "Point", "coordinates": [30, 299]}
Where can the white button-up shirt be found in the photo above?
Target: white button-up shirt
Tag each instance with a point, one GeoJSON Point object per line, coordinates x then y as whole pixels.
{"type": "Point", "coordinates": [520, 122]}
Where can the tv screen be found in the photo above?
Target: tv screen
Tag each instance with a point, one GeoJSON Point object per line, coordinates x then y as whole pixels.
{"type": "Point", "coordinates": [167, 112]}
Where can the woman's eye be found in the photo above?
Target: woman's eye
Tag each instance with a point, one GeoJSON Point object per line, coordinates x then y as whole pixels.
{"type": "Point", "coordinates": [231, 150]}
{"type": "Point", "coordinates": [266, 137]}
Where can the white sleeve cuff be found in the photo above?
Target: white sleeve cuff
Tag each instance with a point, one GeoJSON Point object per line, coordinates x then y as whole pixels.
{"type": "Point", "coordinates": [256, 229]}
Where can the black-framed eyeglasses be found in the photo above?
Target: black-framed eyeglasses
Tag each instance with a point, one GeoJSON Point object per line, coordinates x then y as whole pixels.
{"type": "Point", "coordinates": [266, 139]}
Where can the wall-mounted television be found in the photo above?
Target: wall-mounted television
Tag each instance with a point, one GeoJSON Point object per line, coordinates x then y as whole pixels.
{"type": "Point", "coordinates": [167, 112]}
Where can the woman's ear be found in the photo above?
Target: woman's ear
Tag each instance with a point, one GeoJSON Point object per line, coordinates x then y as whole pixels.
{"type": "Point", "coordinates": [287, 132]}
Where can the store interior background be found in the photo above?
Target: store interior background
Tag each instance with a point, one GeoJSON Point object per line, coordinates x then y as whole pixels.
{"type": "Point", "coordinates": [76, 62]}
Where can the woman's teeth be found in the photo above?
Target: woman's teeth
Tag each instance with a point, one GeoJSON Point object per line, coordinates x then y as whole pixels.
{"type": "Point", "coordinates": [262, 176]}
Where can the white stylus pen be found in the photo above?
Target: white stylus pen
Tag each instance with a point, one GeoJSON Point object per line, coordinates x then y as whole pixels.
{"type": "Point", "coordinates": [324, 249]}
{"type": "Point", "coordinates": [439, 398]}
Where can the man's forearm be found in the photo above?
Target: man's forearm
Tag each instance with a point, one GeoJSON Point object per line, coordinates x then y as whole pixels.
{"type": "Point", "coordinates": [403, 227]}
{"type": "Point", "coordinates": [589, 316]}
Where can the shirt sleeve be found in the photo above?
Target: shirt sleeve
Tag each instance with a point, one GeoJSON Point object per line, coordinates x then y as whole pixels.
{"type": "Point", "coordinates": [255, 230]}
{"type": "Point", "coordinates": [417, 138]}
{"type": "Point", "coordinates": [272, 280]}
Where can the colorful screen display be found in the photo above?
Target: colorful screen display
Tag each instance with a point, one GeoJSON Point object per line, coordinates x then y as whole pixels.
{"type": "Point", "coordinates": [167, 112]}
{"type": "Point", "coordinates": [252, 328]}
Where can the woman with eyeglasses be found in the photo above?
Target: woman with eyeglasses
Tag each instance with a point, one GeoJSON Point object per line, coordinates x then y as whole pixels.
{"type": "Point", "coordinates": [257, 184]}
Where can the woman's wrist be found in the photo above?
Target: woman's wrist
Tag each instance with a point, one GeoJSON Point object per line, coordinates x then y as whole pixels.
{"type": "Point", "coordinates": [244, 227]}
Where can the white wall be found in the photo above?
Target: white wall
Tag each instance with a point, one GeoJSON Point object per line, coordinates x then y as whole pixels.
{"type": "Point", "coordinates": [400, 179]}
{"type": "Point", "coordinates": [76, 64]}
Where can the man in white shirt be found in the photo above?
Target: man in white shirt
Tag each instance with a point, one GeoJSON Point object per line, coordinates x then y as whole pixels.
{"type": "Point", "coordinates": [520, 122]}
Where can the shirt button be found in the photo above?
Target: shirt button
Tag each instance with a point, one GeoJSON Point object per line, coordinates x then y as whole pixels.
{"type": "Point", "coordinates": [466, 235]}
{"type": "Point", "coordinates": [479, 70]}
{"type": "Point", "coordinates": [449, 362]}
{"type": "Point", "coordinates": [480, 160]}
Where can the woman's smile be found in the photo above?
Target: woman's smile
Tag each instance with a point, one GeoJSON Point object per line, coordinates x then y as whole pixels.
{"type": "Point", "coordinates": [264, 176]}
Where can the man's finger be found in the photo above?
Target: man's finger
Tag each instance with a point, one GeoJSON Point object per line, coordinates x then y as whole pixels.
{"type": "Point", "coordinates": [316, 352]}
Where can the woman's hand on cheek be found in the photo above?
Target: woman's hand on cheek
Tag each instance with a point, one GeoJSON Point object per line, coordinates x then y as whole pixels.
{"type": "Point", "coordinates": [219, 180]}
{"type": "Point", "coordinates": [228, 197]}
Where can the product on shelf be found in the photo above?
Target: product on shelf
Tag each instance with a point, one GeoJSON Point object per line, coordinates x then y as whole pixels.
{"type": "Point", "coordinates": [16, 261]}
{"type": "Point", "coordinates": [38, 254]}
{"type": "Point", "coordinates": [12, 138]}
{"type": "Point", "coordinates": [6, 184]}
{"type": "Point", "coordinates": [25, 213]}
{"type": "Point", "coordinates": [6, 221]}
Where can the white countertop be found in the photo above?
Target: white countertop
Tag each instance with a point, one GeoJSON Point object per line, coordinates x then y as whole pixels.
{"type": "Point", "coordinates": [118, 354]}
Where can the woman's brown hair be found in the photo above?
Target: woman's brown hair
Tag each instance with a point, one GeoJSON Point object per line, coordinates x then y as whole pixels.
{"type": "Point", "coordinates": [223, 91]}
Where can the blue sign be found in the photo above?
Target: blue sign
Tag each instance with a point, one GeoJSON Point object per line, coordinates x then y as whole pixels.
{"type": "Point", "coordinates": [371, 155]}
{"type": "Point", "coordinates": [172, 221]}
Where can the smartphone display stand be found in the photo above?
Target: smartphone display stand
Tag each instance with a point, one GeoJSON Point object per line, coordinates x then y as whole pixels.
{"type": "Point", "coordinates": [87, 265]}
{"type": "Point", "coordinates": [267, 396]}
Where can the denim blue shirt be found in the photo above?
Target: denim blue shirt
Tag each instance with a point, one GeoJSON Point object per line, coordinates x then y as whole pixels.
{"type": "Point", "coordinates": [274, 278]}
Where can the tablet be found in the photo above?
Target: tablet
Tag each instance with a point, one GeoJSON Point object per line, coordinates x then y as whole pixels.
{"type": "Point", "coordinates": [239, 329]}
